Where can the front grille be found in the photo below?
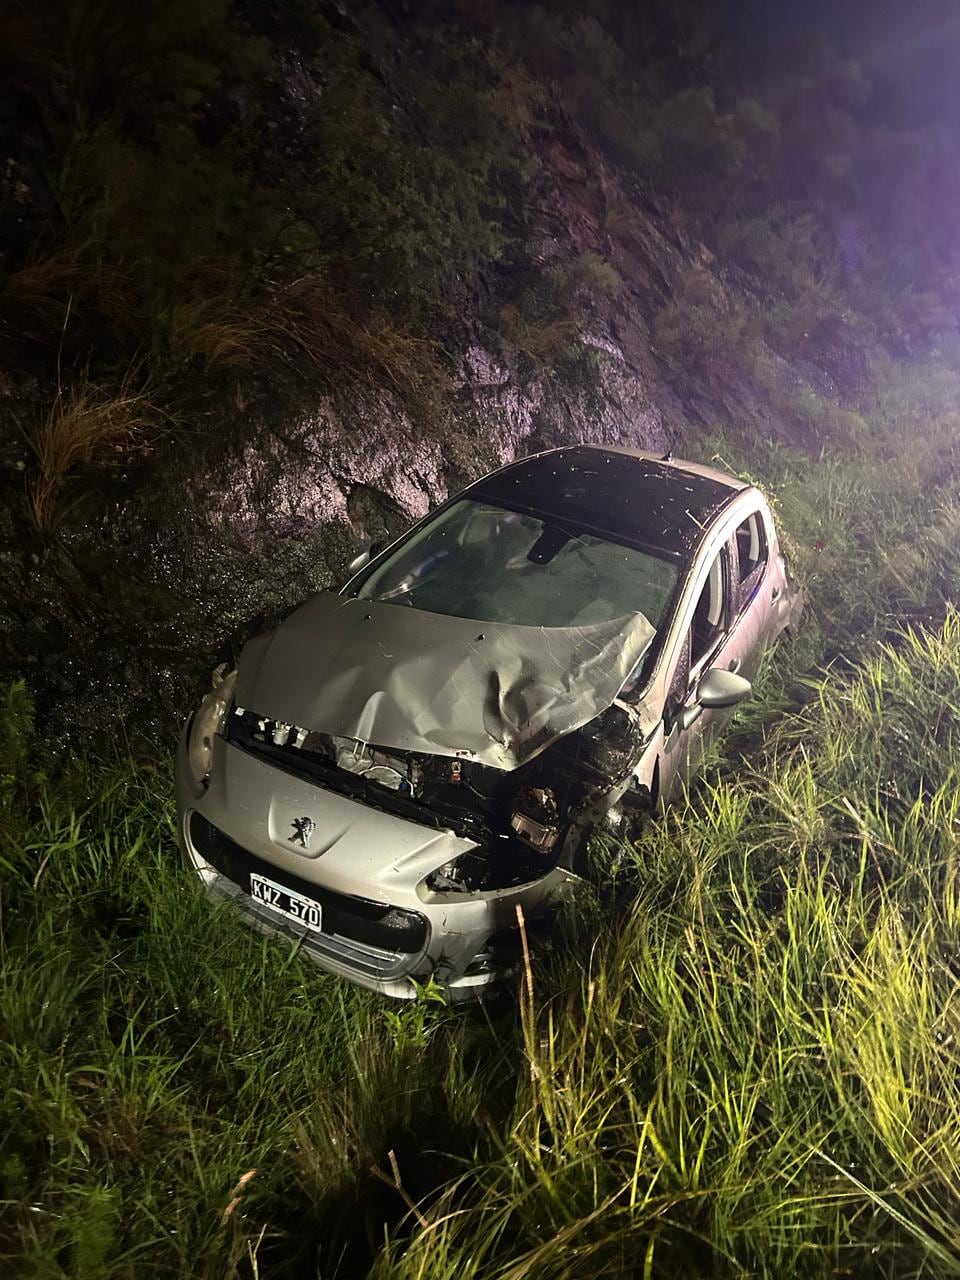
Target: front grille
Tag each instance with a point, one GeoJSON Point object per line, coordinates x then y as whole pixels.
{"type": "Point", "coordinates": [390, 931]}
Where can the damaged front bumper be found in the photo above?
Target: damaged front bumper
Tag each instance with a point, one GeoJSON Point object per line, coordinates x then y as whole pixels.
{"type": "Point", "coordinates": [365, 869]}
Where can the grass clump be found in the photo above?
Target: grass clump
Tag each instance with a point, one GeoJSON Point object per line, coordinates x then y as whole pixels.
{"type": "Point", "coordinates": [181, 1097]}
{"type": "Point", "coordinates": [547, 319]}
{"type": "Point", "coordinates": [305, 322]}
{"type": "Point", "coordinates": [85, 423]}
{"type": "Point", "coordinates": [700, 328]}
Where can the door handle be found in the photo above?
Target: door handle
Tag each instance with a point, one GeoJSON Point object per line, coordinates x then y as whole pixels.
{"type": "Point", "coordinates": [775, 594]}
{"type": "Point", "coordinates": [734, 665]}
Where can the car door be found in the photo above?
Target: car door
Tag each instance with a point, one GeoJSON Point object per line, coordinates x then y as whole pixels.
{"type": "Point", "coordinates": [750, 592]}
{"type": "Point", "coordinates": [733, 616]}
{"type": "Point", "coordinates": [729, 625]}
{"type": "Point", "coordinates": [705, 644]}
{"type": "Point", "coordinates": [712, 644]}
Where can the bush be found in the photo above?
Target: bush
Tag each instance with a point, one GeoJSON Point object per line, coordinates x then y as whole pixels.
{"type": "Point", "coordinates": [548, 317]}
{"type": "Point", "coordinates": [702, 326]}
{"type": "Point", "coordinates": [785, 251]}
{"type": "Point", "coordinates": [182, 237]}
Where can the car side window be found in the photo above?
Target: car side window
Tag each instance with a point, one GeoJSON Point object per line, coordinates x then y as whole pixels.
{"type": "Point", "coordinates": [751, 541]}
{"type": "Point", "coordinates": [710, 615]}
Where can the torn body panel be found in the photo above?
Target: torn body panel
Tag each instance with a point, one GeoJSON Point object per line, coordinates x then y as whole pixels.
{"type": "Point", "coordinates": [382, 923]}
{"type": "Point", "coordinates": [515, 819]}
{"type": "Point", "coordinates": [411, 681]}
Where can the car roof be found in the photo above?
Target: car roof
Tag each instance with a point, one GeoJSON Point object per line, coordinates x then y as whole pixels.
{"type": "Point", "coordinates": [627, 495]}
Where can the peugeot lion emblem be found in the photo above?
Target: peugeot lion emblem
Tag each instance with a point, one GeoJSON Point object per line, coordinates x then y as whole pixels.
{"type": "Point", "coordinates": [303, 829]}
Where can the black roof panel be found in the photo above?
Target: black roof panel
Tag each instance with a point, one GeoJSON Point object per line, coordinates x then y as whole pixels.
{"type": "Point", "coordinates": [638, 501]}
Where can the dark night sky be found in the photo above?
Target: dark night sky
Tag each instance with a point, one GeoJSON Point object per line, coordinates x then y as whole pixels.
{"type": "Point", "coordinates": [910, 51]}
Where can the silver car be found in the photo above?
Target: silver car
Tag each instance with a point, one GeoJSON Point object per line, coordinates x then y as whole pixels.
{"type": "Point", "coordinates": [399, 765]}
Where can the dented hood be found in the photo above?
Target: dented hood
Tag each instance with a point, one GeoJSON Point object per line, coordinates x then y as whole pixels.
{"type": "Point", "coordinates": [406, 680]}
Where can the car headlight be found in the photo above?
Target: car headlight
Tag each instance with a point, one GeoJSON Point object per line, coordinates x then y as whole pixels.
{"type": "Point", "coordinates": [207, 722]}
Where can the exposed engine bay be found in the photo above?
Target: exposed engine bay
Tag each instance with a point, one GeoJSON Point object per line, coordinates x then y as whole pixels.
{"type": "Point", "coordinates": [524, 821]}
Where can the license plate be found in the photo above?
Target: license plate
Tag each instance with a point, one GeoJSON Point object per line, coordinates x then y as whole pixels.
{"type": "Point", "coordinates": [292, 905]}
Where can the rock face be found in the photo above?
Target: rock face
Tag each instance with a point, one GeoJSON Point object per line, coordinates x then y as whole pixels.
{"type": "Point", "coordinates": [575, 307]}
{"type": "Point", "coordinates": [175, 557]}
{"type": "Point", "coordinates": [170, 564]}
{"type": "Point", "coordinates": [171, 559]}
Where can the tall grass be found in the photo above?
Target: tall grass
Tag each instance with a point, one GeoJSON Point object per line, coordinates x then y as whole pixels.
{"type": "Point", "coordinates": [754, 1069]}
{"type": "Point", "coordinates": [739, 1056]}
{"type": "Point", "coordinates": [232, 323]}
{"type": "Point", "coordinates": [179, 1095]}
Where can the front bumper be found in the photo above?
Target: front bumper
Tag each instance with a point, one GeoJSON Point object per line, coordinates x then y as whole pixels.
{"type": "Point", "coordinates": [366, 868]}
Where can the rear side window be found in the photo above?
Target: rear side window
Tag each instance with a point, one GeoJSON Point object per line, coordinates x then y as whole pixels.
{"type": "Point", "coordinates": [751, 540]}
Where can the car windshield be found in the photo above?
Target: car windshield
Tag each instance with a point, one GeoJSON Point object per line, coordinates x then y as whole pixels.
{"type": "Point", "coordinates": [485, 562]}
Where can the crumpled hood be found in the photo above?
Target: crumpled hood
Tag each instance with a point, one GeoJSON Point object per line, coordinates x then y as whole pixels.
{"type": "Point", "coordinates": [406, 680]}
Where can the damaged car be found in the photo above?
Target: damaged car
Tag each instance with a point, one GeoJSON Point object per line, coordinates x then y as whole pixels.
{"type": "Point", "coordinates": [402, 763]}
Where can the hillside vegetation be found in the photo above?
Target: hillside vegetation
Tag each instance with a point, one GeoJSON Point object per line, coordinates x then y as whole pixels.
{"type": "Point", "coordinates": [273, 278]}
{"type": "Point", "coordinates": [204, 200]}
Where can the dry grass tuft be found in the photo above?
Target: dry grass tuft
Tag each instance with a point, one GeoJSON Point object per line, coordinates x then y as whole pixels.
{"type": "Point", "coordinates": [304, 320]}
{"type": "Point", "coordinates": [541, 339]}
{"type": "Point", "coordinates": [221, 330]}
{"type": "Point", "coordinates": [83, 424]}
{"type": "Point", "coordinates": [42, 297]}
{"type": "Point", "coordinates": [308, 316]}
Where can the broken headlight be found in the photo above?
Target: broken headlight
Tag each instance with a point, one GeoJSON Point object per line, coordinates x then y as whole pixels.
{"type": "Point", "coordinates": [206, 724]}
{"type": "Point", "coordinates": [536, 819]}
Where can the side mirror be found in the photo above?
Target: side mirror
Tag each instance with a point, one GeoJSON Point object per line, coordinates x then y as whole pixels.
{"type": "Point", "coordinates": [363, 559]}
{"type": "Point", "coordinates": [722, 689]}
{"type": "Point", "coordinates": [717, 689]}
